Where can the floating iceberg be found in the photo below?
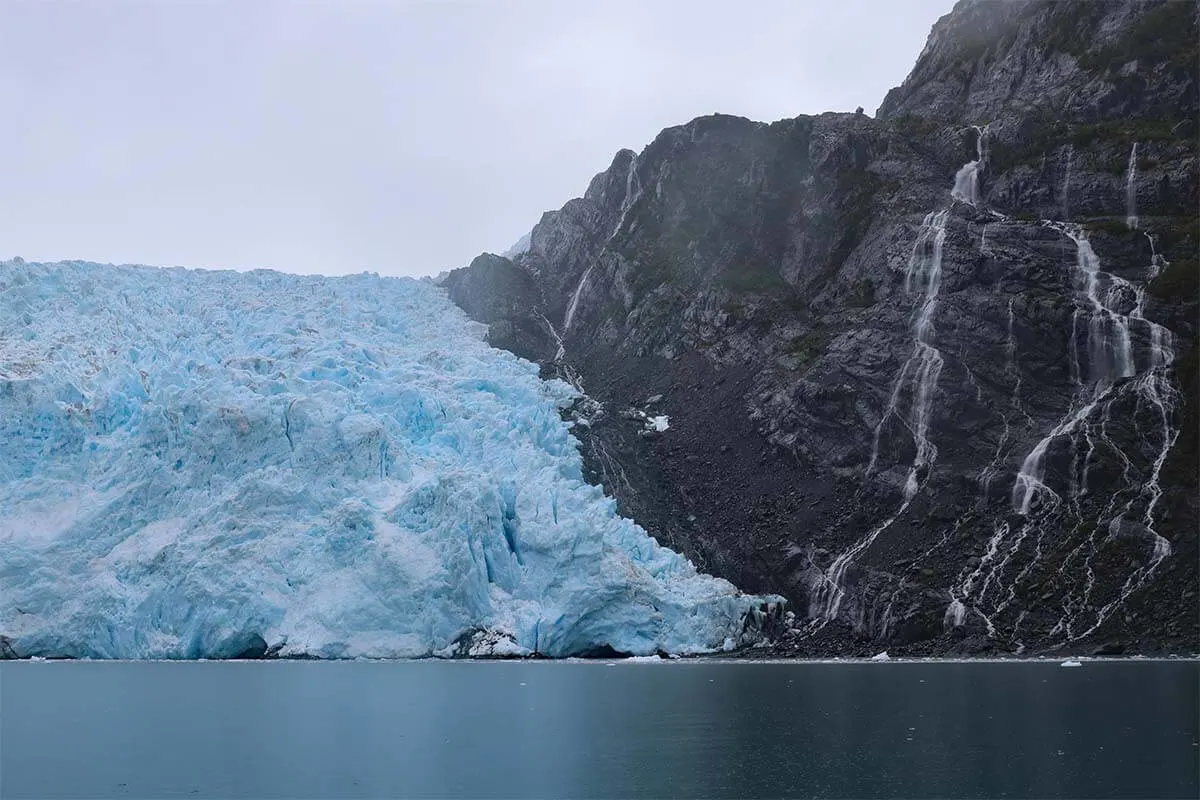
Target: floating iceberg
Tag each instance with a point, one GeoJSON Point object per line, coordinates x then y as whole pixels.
{"type": "Point", "coordinates": [202, 464]}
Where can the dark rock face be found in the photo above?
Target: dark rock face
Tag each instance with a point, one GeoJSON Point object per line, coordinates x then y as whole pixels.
{"type": "Point", "coordinates": [495, 291]}
{"type": "Point", "coordinates": [932, 375]}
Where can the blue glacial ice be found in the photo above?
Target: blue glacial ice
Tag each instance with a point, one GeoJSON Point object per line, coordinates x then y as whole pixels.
{"type": "Point", "coordinates": [197, 463]}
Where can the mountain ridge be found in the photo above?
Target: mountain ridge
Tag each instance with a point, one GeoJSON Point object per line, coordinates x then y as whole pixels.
{"type": "Point", "coordinates": [773, 283]}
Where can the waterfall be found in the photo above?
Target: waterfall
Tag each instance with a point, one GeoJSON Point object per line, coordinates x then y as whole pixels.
{"type": "Point", "coordinates": [1110, 351]}
{"type": "Point", "coordinates": [1155, 387]}
{"type": "Point", "coordinates": [966, 181]}
{"type": "Point", "coordinates": [925, 273]}
{"type": "Point", "coordinates": [1029, 483]}
{"type": "Point", "coordinates": [1107, 355]}
{"type": "Point", "coordinates": [1131, 219]}
{"type": "Point", "coordinates": [633, 191]}
{"type": "Point", "coordinates": [1066, 186]}
{"type": "Point", "coordinates": [918, 377]}
{"type": "Point", "coordinates": [956, 613]}
{"type": "Point", "coordinates": [1157, 262]}
{"type": "Point", "coordinates": [1121, 366]}
{"type": "Point", "coordinates": [1108, 311]}
{"type": "Point", "coordinates": [922, 369]}
{"type": "Point", "coordinates": [919, 374]}
{"type": "Point", "coordinates": [575, 300]}
{"type": "Point", "coordinates": [561, 348]}
{"type": "Point", "coordinates": [827, 600]}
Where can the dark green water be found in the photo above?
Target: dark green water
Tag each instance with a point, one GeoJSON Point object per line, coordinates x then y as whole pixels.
{"type": "Point", "coordinates": [435, 729]}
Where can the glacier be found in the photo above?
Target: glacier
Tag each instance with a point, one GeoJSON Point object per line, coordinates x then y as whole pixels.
{"type": "Point", "coordinates": [200, 464]}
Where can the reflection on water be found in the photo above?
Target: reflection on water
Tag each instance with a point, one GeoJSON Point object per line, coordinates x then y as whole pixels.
{"type": "Point", "coordinates": [305, 729]}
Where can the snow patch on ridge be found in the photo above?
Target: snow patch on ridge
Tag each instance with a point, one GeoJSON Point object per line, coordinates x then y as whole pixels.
{"type": "Point", "coordinates": [520, 247]}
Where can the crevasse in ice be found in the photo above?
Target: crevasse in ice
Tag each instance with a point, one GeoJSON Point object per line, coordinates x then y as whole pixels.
{"type": "Point", "coordinates": [194, 463]}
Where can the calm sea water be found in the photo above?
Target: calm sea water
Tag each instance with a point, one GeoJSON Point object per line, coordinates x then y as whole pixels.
{"type": "Point", "coordinates": [704, 729]}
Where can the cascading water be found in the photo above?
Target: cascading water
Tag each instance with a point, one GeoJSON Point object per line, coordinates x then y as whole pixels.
{"type": "Point", "coordinates": [561, 348]}
{"type": "Point", "coordinates": [1131, 220]}
{"type": "Point", "coordinates": [966, 181]}
{"type": "Point", "coordinates": [1111, 340]}
{"type": "Point", "coordinates": [925, 273]}
{"type": "Point", "coordinates": [1157, 262]}
{"type": "Point", "coordinates": [919, 375]}
{"type": "Point", "coordinates": [1107, 356]}
{"type": "Point", "coordinates": [1155, 387]}
{"type": "Point", "coordinates": [917, 379]}
{"type": "Point", "coordinates": [1064, 198]}
{"type": "Point", "coordinates": [574, 304]}
{"type": "Point", "coordinates": [633, 191]}
{"type": "Point", "coordinates": [920, 372]}
{"type": "Point", "coordinates": [1109, 351]}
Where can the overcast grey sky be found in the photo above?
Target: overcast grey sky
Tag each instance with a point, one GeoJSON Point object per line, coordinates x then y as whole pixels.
{"type": "Point", "coordinates": [397, 136]}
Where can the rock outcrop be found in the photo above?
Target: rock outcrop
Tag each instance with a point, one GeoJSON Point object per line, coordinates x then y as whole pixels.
{"type": "Point", "coordinates": [930, 375]}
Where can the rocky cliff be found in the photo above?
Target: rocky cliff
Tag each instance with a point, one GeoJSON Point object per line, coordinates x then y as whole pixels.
{"type": "Point", "coordinates": [930, 375]}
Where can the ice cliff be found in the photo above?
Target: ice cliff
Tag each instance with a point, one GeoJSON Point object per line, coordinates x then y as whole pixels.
{"type": "Point", "coordinates": [203, 464]}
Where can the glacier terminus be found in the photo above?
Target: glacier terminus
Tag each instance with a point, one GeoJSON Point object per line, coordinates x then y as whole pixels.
{"type": "Point", "coordinates": [204, 464]}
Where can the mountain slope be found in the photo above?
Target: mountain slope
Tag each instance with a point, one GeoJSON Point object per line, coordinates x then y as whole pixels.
{"type": "Point", "coordinates": [930, 375]}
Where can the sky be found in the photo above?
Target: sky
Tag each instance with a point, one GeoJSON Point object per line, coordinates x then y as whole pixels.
{"type": "Point", "coordinates": [402, 137]}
